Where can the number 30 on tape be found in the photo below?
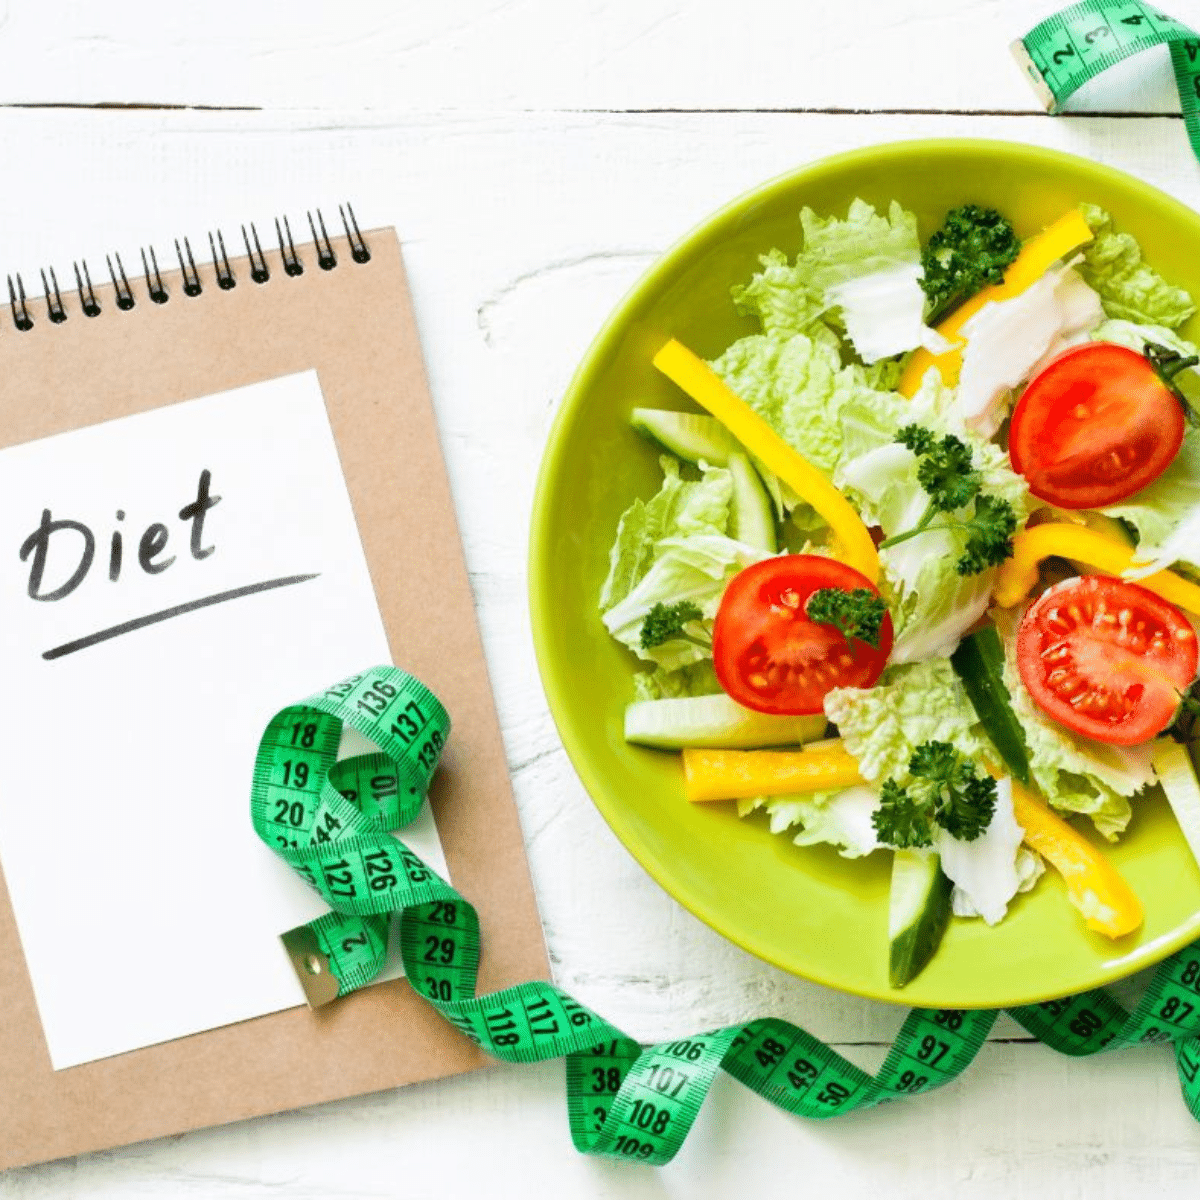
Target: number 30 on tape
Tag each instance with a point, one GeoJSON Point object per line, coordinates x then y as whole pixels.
{"type": "Point", "coordinates": [330, 820]}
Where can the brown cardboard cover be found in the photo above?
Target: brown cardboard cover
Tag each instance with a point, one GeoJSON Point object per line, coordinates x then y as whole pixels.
{"type": "Point", "coordinates": [354, 325]}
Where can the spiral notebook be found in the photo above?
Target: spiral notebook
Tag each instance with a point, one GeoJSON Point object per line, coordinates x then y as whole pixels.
{"type": "Point", "coordinates": [221, 489]}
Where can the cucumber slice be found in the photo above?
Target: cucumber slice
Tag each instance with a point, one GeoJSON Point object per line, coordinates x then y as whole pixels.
{"type": "Point", "coordinates": [691, 436]}
{"type": "Point", "coordinates": [918, 913]}
{"type": "Point", "coordinates": [714, 721]}
{"type": "Point", "coordinates": [771, 486]}
{"type": "Point", "coordinates": [979, 664]}
{"type": "Point", "coordinates": [1173, 766]}
{"type": "Point", "coordinates": [753, 517]}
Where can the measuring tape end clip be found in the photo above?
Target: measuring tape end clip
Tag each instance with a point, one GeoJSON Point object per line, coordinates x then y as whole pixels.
{"type": "Point", "coordinates": [311, 965]}
{"type": "Point", "coordinates": [1030, 70]}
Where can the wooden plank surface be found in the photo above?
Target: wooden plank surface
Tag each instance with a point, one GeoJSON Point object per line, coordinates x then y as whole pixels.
{"type": "Point", "coordinates": [523, 54]}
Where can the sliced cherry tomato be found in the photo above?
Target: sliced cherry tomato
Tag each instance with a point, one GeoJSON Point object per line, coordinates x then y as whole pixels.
{"type": "Point", "coordinates": [1095, 426]}
{"type": "Point", "coordinates": [769, 656]}
{"type": "Point", "coordinates": [1106, 658]}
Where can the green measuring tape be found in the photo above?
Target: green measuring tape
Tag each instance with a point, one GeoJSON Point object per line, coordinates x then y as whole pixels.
{"type": "Point", "coordinates": [330, 821]}
{"type": "Point", "coordinates": [1074, 45]}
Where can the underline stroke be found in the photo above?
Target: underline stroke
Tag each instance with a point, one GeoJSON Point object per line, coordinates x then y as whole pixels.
{"type": "Point", "coordinates": [103, 635]}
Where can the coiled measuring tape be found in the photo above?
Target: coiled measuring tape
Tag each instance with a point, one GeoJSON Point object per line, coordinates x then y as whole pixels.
{"type": "Point", "coordinates": [1074, 45]}
{"type": "Point", "coordinates": [330, 821]}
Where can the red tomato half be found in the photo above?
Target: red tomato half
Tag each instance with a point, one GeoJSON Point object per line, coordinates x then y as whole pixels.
{"type": "Point", "coordinates": [769, 656]}
{"type": "Point", "coordinates": [1106, 658]}
{"type": "Point", "coordinates": [1094, 427]}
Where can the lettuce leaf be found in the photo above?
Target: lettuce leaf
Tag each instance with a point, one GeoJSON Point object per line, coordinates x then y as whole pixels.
{"type": "Point", "coordinates": [669, 548]}
{"type": "Point", "coordinates": [1077, 774]}
{"type": "Point", "coordinates": [868, 421]}
{"type": "Point", "coordinates": [858, 276]}
{"type": "Point", "coordinates": [883, 313]}
{"type": "Point", "coordinates": [1135, 336]}
{"type": "Point", "coordinates": [799, 387]}
{"type": "Point", "coordinates": [1165, 513]}
{"type": "Point", "coordinates": [932, 605]}
{"type": "Point", "coordinates": [783, 297]}
{"type": "Point", "coordinates": [1029, 867]}
{"type": "Point", "coordinates": [1128, 287]}
{"type": "Point", "coordinates": [1007, 341]}
{"type": "Point", "coordinates": [985, 871]}
{"type": "Point", "coordinates": [884, 375]}
{"type": "Point", "coordinates": [864, 243]}
{"type": "Point", "coordinates": [930, 602]}
{"type": "Point", "coordinates": [678, 509]}
{"type": "Point", "coordinates": [868, 268]}
{"type": "Point", "coordinates": [695, 679]}
{"type": "Point", "coordinates": [792, 374]}
{"type": "Point", "coordinates": [840, 818]}
{"type": "Point", "coordinates": [911, 704]}
{"type": "Point", "coordinates": [883, 725]}
{"type": "Point", "coordinates": [695, 568]}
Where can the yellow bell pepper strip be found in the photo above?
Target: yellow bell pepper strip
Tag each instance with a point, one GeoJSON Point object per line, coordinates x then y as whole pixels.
{"type": "Point", "coordinates": [691, 373]}
{"type": "Point", "coordinates": [1068, 233]}
{"type": "Point", "coordinates": [1018, 574]}
{"type": "Point", "coordinates": [735, 774]}
{"type": "Point", "coordinates": [1094, 886]}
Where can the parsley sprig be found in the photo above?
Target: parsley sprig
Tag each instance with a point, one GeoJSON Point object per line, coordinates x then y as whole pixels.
{"type": "Point", "coordinates": [857, 612]}
{"type": "Point", "coordinates": [946, 790]}
{"type": "Point", "coordinates": [665, 622]}
{"type": "Point", "coordinates": [971, 251]}
{"type": "Point", "coordinates": [947, 474]}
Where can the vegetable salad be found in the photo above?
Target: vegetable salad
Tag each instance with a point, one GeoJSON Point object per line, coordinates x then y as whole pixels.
{"type": "Point", "coordinates": [921, 576]}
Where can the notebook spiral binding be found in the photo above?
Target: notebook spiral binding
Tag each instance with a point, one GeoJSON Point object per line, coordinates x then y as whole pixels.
{"type": "Point", "coordinates": [192, 281]}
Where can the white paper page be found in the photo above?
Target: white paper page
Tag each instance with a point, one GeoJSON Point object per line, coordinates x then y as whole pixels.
{"type": "Point", "coordinates": [147, 907]}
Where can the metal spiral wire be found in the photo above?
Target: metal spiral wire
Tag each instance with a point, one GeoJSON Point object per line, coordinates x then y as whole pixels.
{"type": "Point", "coordinates": [191, 275]}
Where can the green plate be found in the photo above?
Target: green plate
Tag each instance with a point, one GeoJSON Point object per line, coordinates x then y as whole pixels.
{"type": "Point", "coordinates": [807, 910]}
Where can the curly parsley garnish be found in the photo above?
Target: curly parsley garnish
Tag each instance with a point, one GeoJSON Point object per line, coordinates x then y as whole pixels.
{"type": "Point", "coordinates": [946, 790]}
{"type": "Point", "coordinates": [946, 472]}
{"type": "Point", "coordinates": [858, 613]}
{"type": "Point", "coordinates": [665, 622]}
{"type": "Point", "coordinates": [971, 251]}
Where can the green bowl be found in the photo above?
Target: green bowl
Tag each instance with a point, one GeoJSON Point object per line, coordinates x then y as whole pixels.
{"type": "Point", "coordinates": [807, 910]}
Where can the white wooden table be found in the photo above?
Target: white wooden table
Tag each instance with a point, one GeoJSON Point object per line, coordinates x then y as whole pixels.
{"type": "Point", "coordinates": [536, 156]}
